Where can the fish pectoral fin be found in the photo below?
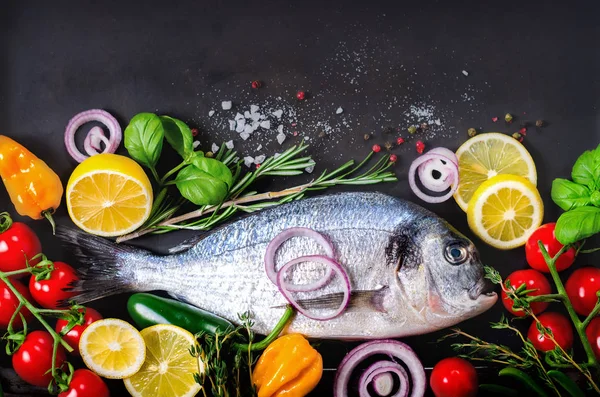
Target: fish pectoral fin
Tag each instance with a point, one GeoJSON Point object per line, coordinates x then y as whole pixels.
{"type": "Point", "coordinates": [362, 300]}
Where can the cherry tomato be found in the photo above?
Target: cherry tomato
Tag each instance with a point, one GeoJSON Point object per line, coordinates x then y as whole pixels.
{"type": "Point", "coordinates": [534, 280]}
{"type": "Point", "coordinates": [73, 336]}
{"type": "Point", "coordinates": [561, 329]}
{"type": "Point", "coordinates": [17, 245]}
{"type": "Point", "coordinates": [33, 361]}
{"type": "Point", "coordinates": [593, 334]}
{"type": "Point", "coordinates": [454, 377]}
{"type": "Point", "coordinates": [545, 233]}
{"type": "Point", "coordinates": [9, 303]}
{"type": "Point", "coordinates": [582, 287]}
{"type": "Point", "coordinates": [85, 383]}
{"type": "Point", "coordinates": [49, 293]}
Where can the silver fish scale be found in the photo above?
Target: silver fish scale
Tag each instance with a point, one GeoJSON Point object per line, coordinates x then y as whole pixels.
{"type": "Point", "coordinates": [224, 273]}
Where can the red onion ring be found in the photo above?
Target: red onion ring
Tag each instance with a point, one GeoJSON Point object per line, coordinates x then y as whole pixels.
{"type": "Point", "coordinates": [441, 160]}
{"type": "Point", "coordinates": [388, 347]}
{"type": "Point", "coordinates": [336, 267]}
{"type": "Point", "coordinates": [95, 135]}
{"type": "Point", "coordinates": [383, 370]}
{"type": "Point", "coordinates": [282, 238]}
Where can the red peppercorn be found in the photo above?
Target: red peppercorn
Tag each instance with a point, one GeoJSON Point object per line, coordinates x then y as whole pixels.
{"type": "Point", "coordinates": [420, 147]}
{"type": "Point", "coordinates": [494, 119]}
{"type": "Point", "coordinates": [399, 141]}
{"type": "Point", "coordinates": [523, 131]}
{"type": "Point", "coordinates": [194, 131]}
{"type": "Point", "coordinates": [300, 95]}
{"type": "Point", "coordinates": [393, 158]}
{"type": "Point", "coordinates": [295, 133]}
{"type": "Point", "coordinates": [257, 166]}
{"type": "Point", "coordinates": [256, 84]}
{"type": "Point", "coordinates": [376, 148]}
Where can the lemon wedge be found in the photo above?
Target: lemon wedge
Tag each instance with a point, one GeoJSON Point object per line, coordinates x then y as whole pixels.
{"type": "Point", "coordinates": [109, 195]}
{"type": "Point", "coordinates": [169, 367]}
{"type": "Point", "coordinates": [505, 210]}
{"type": "Point", "coordinates": [487, 155]}
{"type": "Point", "coordinates": [112, 348]}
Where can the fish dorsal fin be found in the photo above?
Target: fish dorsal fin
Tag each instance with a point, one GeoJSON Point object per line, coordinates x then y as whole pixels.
{"type": "Point", "coordinates": [187, 244]}
{"type": "Point", "coordinates": [361, 300]}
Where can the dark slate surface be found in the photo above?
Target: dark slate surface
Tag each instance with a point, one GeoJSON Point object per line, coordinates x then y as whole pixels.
{"type": "Point", "coordinates": [374, 59]}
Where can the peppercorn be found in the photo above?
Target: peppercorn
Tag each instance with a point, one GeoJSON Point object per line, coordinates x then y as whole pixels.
{"type": "Point", "coordinates": [388, 130]}
{"type": "Point", "coordinates": [366, 137]}
{"type": "Point", "coordinates": [322, 134]}
{"type": "Point", "coordinates": [412, 129]}
{"type": "Point", "coordinates": [508, 118]}
{"type": "Point", "coordinates": [539, 123]}
{"type": "Point", "coordinates": [494, 119]}
{"type": "Point", "coordinates": [399, 141]}
{"type": "Point", "coordinates": [517, 136]}
{"type": "Point", "coordinates": [523, 131]}
{"type": "Point", "coordinates": [256, 84]}
{"type": "Point", "coordinates": [388, 145]}
{"type": "Point", "coordinates": [376, 148]}
{"type": "Point", "coordinates": [208, 154]}
{"type": "Point", "coordinates": [301, 95]}
{"type": "Point", "coordinates": [195, 131]}
{"type": "Point", "coordinates": [393, 158]}
{"type": "Point", "coordinates": [472, 132]}
{"type": "Point", "coordinates": [424, 126]}
{"type": "Point", "coordinates": [420, 146]}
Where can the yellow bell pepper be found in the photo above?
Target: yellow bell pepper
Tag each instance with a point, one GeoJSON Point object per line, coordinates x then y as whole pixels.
{"type": "Point", "coordinates": [288, 367]}
{"type": "Point", "coordinates": [33, 187]}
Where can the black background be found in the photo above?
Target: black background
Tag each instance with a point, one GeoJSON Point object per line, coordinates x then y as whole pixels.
{"type": "Point", "coordinates": [532, 59]}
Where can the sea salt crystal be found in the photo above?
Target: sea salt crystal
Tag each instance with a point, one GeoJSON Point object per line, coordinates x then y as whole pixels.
{"type": "Point", "coordinates": [259, 159]}
{"type": "Point", "coordinates": [244, 135]}
{"type": "Point", "coordinates": [276, 155]}
{"type": "Point", "coordinates": [247, 114]}
{"type": "Point", "coordinates": [266, 124]}
{"type": "Point", "coordinates": [280, 129]}
{"type": "Point", "coordinates": [248, 129]}
{"type": "Point", "coordinates": [262, 117]}
{"type": "Point", "coordinates": [240, 126]}
{"type": "Point", "coordinates": [232, 125]}
{"type": "Point", "coordinates": [258, 148]}
{"type": "Point", "coordinates": [229, 145]}
{"type": "Point", "coordinates": [255, 116]}
{"type": "Point", "coordinates": [210, 114]}
{"type": "Point", "coordinates": [226, 105]}
{"type": "Point", "coordinates": [239, 116]}
{"type": "Point", "coordinates": [310, 168]}
{"type": "Point", "coordinates": [254, 109]}
{"type": "Point", "coordinates": [465, 72]}
{"type": "Point", "coordinates": [278, 113]}
{"type": "Point", "coordinates": [215, 148]}
{"type": "Point", "coordinates": [255, 125]}
{"type": "Point", "coordinates": [248, 161]}
{"type": "Point", "coordinates": [280, 138]}
{"type": "Point", "coordinates": [438, 122]}
{"type": "Point", "coordinates": [339, 110]}
{"type": "Point", "coordinates": [196, 144]}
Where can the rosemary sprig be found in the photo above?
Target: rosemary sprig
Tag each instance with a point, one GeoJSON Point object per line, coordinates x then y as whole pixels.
{"type": "Point", "coordinates": [240, 198]}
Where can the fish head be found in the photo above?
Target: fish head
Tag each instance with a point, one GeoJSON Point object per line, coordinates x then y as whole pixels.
{"type": "Point", "coordinates": [440, 273]}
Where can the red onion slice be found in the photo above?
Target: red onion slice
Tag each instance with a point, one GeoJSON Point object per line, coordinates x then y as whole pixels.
{"type": "Point", "coordinates": [394, 349]}
{"type": "Point", "coordinates": [439, 160]}
{"type": "Point", "coordinates": [282, 238]}
{"type": "Point", "coordinates": [379, 374]}
{"type": "Point", "coordinates": [95, 135]}
{"type": "Point", "coordinates": [334, 266]}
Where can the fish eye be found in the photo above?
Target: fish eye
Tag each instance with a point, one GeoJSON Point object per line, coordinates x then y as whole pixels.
{"type": "Point", "coordinates": [456, 253]}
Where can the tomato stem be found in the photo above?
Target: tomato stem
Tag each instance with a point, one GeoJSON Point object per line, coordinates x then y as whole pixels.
{"type": "Point", "coordinates": [5, 222]}
{"type": "Point", "coordinates": [545, 298]}
{"type": "Point", "coordinates": [595, 311]}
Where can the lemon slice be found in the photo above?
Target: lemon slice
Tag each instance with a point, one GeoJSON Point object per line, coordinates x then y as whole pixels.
{"type": "Point", "coordinates": [487, 155]}
{"type": "Point", "coordinates": [505, 210]}
{"type": "Point", "coordinates": [169, 367]}
{"type": "Point", "coordinates": [109, 195]}
{"type": "Point", "coordinates": [112, 348]}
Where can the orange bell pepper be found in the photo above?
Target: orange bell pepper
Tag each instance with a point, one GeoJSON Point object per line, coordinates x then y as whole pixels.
{"type": "Point", "coordinates": [34, 189]}
{"type": "Point", "coordinates": [288, 367]}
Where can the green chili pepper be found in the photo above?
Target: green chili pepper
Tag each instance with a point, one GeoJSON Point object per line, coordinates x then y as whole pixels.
{"type": "Point", "coordinates": [497, 389]}
{"type": "Point", "coordinates": [567, 383]}
{"type": "Point", "coordinates": [148, 309]}
{"type": "Point", "coordinates": [523, 378]}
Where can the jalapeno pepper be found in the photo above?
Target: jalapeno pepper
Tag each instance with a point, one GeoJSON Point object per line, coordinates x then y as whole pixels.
{"type": "Point", "coordinates": [147, 309]}
{"type": "Point", "coordinates": [34, 189]}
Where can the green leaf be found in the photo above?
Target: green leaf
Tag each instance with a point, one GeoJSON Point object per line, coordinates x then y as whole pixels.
{"type": "Point", "coordinates": [586, 170]}
{"type": "Point", "coordinates": [179, 136]}
{"type": "Point", "coordinates": [144, 138]}
{"type": "Point", "coordinates": [200, 187]}
{"type": "Point", "coordinates": [568, 195]}
{"type": "Point", "coordinates": [577, 224]}
{"type": "Point", "coordinates": [213, 167]}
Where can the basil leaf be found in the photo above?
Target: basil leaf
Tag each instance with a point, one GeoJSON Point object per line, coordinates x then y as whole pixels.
{"type": "Point", "coordinates": [200, 187]}
{"type": "Point", "coordinates": [214, 168]}
{"type": "Point", "coordinates": [568, 195]}
{"type": "Point", "coordinates": [144, 138]}
{"type": "Point", "coordinates": [577, 224]}
{"type": "Point", "coordinates": [179, 136]}
{"type": "Point", "coordinates": [586, 170]}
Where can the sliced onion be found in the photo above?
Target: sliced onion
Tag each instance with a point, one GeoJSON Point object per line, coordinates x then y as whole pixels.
{"type": "Point", "coordinates": [282, 238]}
{"type": "Point", "coordinates": [330, 263]}
{"type": "Point", "coordinates": [394, 349]}
{"type": "Point", "coordinates": [380, 375]}
{"type": "Point", "coordinates": [441, 160]}
{"type": "Point", "coordinates": [95, 135]}
{"type": "Point", "coordinates": [383, 383]}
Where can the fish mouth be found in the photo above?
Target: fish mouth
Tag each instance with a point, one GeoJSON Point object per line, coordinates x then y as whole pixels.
{"type": "Point", "coordinates": [483, 288]}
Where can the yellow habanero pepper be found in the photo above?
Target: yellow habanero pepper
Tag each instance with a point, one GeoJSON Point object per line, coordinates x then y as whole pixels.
{"type": "Point", "coordinates": [33, 187]}
{"type": "Point", "coordinates": [289, 367]}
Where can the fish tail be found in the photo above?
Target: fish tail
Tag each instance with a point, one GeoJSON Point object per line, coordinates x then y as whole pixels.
{"type": "Point", "coordinates": [104, 269]}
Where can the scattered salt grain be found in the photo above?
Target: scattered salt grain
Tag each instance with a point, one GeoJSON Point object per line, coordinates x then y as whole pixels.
{"type": "Point", "coordinates": [196, 144]}
{"type": "Point", "coordinates": [226, 105]}
{"type": "Point", "coordinates": [232, 125]}
{"type": "Point", "coordinates": [253, 109]}
{"type": "Point", "coordinates": [240, 126]}
{"type": "Point", "coordinates": [239, 116]}
{"type": "Point", "coordinates": [248, 161]}
{"type": "Point", "coordinates": [229, 145]}
{"type": "Point", "coordinates": [266, 124]}
{"type": "Point", "coordinates": [339, 110]}
{"type": "Point", "coordinates": [465, 72]}
{"type": "Point", "coordinates": [215, 148]}
{"type": "Point", "coordinates": [247, 114]}
{"type": "Point", "coordinates": [280, 129]}
{"type": "Point", "coordinates": [259, 159]}
{"type": "Point", "coordinates": [278, 113]}
{"type": "Point", "coordinates": [259, 148]}
{"type": "Point", "coordinates": [276, 155]}
{"type": "Point", "coordinates": [262, 117]}
{"type": "Point", "coordinates": [248, 129]}
{"type": "Point", "coordinates": [280, 138]}
{"type": "Point", "coordinates": [255, 116]}
{"type": "Point", "coordinates": [310, 168]}
{"type": "Point", "coordinates": [437, 122]}
{"type": "Point", "coordinates": [244, 135]}
{"type": "Point", "coordinates": [210, 114]}
{"type": "Point", "coordinates": [255, 125]}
